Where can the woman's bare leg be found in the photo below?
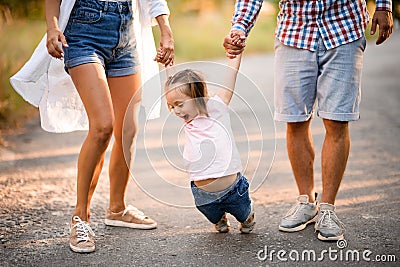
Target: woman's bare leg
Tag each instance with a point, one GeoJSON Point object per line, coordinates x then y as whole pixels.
{"type": "Point", "coordinates": [126, 99]}
{"type": "Point", "coordinates": [91, 83]}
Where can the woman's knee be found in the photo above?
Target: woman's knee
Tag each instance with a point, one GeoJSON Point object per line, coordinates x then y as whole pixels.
{"type": "Point", "coordinates": [102, 132]}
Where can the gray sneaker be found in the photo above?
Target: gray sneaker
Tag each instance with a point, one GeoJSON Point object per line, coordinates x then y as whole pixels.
{"type": "Point", "coordinates": [223, 226]}
{"type": "Point", "coordinates": [300, 215]}
{"type": "Point", "coordinates": [328, 224]}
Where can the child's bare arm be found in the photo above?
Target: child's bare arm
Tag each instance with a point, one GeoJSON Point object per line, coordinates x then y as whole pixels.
{"type": "Point", "coordinates": [226, 93]}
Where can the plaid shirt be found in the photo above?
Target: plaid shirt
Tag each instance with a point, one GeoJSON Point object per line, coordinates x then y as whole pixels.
{"type": "Point", "coordinates": [301, 23]}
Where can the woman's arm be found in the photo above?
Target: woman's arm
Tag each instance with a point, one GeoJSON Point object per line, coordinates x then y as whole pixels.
{"type": "Point", "coordinates": [165, 53]}
{"type": "Point", "coordinates": [54, 35]}
{"type": "Point", "coordinates": [226, 93]}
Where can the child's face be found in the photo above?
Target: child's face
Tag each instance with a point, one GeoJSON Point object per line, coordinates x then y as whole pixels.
{"type": "Point", "coordinates": [183, 106]}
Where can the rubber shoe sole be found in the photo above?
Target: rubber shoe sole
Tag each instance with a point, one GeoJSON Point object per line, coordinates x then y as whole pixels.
{"type": "Point", "coordinates": [130, 225]}
{"type": "Point", "coordinates": [330, 238]}
{"type": "Point", "coordinates": [300, 227]}
{"type": "Point", "coordinates": [82, 250]}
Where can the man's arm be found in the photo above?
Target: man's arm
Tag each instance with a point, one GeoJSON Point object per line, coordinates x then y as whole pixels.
{"type": "Point", "coordinates": [383, 19]}
{"type": "Point", "coordinates": [246, 13]}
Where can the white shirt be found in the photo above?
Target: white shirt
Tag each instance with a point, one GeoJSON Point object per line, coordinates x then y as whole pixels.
{"type": "Point", "coordinates": [210, 150]}
{"type": "Point", "coordinates": [43, 82]}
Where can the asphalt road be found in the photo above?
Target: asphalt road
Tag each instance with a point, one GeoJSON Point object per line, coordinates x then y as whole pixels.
{"type": "Point", "coordinates": [37, 182]}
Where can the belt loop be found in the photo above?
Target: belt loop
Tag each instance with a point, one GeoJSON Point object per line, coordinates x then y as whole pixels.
{"type": "Point", "coordinates": [120, 7]}
{"type": "Point", "coordinates": [130, 4]}
{"type": "Point", "coordinates": [105, 6]}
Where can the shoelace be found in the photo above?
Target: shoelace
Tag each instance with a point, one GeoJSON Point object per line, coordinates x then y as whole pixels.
{"type": "Point", "coordinates": [82, 229]}
{"type": "Point", "coordinates": [139, 214]}
{"type": "Point", "coordinates": [293, 210]}
{"type": "Point", "coordinates": [329, 219]}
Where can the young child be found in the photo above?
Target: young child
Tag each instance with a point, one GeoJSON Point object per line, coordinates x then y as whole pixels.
{"type": "Point", "coordinates": [210, 153]}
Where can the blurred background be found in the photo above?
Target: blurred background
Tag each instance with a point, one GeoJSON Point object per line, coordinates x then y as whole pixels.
{"type": "Point", "coordinates": [199, 28]}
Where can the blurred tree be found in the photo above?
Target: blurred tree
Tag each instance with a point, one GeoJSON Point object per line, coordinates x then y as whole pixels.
{"type": "Point", "coordinates": [396, 9]}
{"type": "Point", "coordinates": [32, 9]}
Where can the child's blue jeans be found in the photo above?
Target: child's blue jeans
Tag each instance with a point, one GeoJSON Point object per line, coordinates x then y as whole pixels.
{"type": "Point", "coordinates": [234, 200]}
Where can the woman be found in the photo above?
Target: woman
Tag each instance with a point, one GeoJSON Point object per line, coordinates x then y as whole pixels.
{"type": "Point", "coordinates": [100, 54]}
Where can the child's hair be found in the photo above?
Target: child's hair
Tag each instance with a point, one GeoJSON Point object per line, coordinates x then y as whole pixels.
{"type": "Point", "coordinates": [190, 83]}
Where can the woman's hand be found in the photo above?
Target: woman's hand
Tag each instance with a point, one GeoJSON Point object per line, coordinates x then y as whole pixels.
{"type": "Point", "coordinates": [54, 37]}
{"type": "Point", "coordinates": [165, 53]}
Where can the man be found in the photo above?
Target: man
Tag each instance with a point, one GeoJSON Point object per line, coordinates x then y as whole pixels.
{"type": "Point", "coordinates": [319, 50]}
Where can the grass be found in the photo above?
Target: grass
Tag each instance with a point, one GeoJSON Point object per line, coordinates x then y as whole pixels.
{"type": "Point", "coordinates": [17, 42]}
{"type": "Point", "coordinates": [200, 37]}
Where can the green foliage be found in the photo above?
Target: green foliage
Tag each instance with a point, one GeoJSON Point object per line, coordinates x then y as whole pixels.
{"type": "Point", "coordinates": [19, 40]}
{"type": "Point", "coordinates": [396, 9]}
{"type": "Point", "coordinates": [199, 28]}
{"type": "Point", "coordinates": [31, 9]}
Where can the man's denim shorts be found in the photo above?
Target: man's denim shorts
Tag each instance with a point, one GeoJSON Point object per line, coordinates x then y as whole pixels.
{"type": "Point", "coordinates": [326, 80]}
{"type": "Point", "coordinates": [102, 32]}
{"type": "Point", "coordinates": [234, 200]}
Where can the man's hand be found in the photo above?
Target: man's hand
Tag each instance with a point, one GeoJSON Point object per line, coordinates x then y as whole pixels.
{"type": "Point", "coordinates": [384, 20]}
{"type": "Point", "coordinates": [234, 43]}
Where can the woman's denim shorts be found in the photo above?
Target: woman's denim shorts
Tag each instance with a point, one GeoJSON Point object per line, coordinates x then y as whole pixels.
{"type": "Point", "coordinates": [102, 32]}
{"type": "Point", "coordinates": [234, 200]}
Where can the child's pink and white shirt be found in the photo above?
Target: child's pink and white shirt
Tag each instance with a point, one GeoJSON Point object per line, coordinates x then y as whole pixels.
{"type": "Point", "coordinates": [210, 150]}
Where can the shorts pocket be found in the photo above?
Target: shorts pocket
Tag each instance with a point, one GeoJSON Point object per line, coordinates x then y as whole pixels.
{"type": "Point", "coordinates": [243, 186]}
{"type": "Point", "coordinates": [86, 15]}
{"type": "Point", "coordinates": [363, 43]}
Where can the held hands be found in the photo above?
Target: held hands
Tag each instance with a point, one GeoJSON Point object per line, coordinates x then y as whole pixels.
{"type": "Point", "coordinates": [165, 53]}
{"type": "Point", "coordinates": [54, 37]}
{"type": "Point", "coordinates": [234, 43]}
{"type": "Point", "coordinates": [384, 20]}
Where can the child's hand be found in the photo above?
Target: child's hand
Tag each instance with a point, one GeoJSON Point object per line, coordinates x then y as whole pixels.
{"type": "Point", "coordinates": [238, 38]}
{"type": "Point", "coordinates": [159, 55]}
{"type": "Point", "coordinates": [165, 52]}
